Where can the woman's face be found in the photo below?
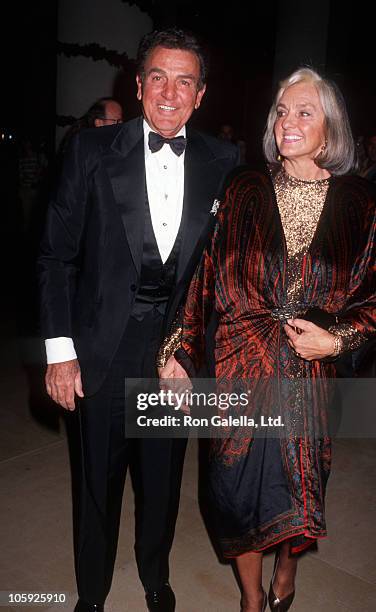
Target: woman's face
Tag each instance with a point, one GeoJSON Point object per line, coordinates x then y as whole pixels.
{"type": "Point", "coordinates": [299, 128]}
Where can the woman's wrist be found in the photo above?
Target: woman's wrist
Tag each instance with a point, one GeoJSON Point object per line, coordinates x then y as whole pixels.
{"type": "Point", "coordinates": [337, 345]}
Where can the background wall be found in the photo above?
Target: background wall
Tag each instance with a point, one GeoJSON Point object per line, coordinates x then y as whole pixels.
{"type": "Point", "coordinates": [250, 45]}
{"type": "Point", "coordinates": [104, 31]}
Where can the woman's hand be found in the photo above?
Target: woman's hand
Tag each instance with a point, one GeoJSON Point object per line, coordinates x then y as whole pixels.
{"type": "Point", "coordinates": [172, 369]}
{"type": "Point", "coordinates": [309, 341]}
{"type": "Point", "coordinates": [173, 377]}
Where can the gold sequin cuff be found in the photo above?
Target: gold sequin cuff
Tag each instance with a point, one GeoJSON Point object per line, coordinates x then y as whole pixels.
{"type": "Point", "coordinates": [337, 345]}
{"type": "Point", "coordinates": [170, 344]}
{"type": "Point", "coordinates": [351, 338]}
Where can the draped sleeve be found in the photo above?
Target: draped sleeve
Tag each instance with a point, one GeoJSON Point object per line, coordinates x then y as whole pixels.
{"type": "Point", "coordinates": [200, 301]}
{"type": "Point", "coordinates": [360, 309]}
{"type": "Point", "coordinates": [185, 339]}
{"type": "Point", "coordinates": [356, 323]}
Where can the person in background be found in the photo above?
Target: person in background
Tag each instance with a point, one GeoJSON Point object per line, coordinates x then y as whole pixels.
{"type": "Point", "coordinates": [286, 285]}
{"type": "Point", "coordinates": [123, 236]}
{"type": "Point", "coordinates": [31, 170]}
{"type": "Point", "coordinates": [227, 132]}
{"type": "Point", "coordinates": [105, 111]}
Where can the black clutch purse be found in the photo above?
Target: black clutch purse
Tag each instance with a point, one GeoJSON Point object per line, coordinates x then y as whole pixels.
{"type": "Point", "coordinates": [319, 317]}
{"type": "Point", "coordinates": [360, 362]}
{"type": "Point", "coordinates": [364, 359]}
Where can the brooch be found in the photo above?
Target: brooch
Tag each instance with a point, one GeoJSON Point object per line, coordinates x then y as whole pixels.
{"type": "Point", "coordinates": [214, 208]}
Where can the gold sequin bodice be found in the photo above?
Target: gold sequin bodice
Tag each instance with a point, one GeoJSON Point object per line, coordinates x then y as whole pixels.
{"type": "Point", "coordinates": [300, 204]}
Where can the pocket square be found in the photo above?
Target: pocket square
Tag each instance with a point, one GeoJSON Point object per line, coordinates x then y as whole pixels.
{"type": "Point", "coordinates": [214, 208]}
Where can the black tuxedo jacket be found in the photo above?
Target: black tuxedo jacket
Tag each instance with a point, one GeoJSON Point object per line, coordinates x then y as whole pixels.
{"type": "Point", "coordinates": [91, 252]}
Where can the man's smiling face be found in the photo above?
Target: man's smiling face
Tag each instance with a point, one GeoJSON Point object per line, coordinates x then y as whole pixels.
{"type": "Point", "coordinates": [169, 89]}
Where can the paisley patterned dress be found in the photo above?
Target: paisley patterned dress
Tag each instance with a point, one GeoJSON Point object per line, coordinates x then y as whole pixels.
{"type": "Point", "coordinates": [280, 247]}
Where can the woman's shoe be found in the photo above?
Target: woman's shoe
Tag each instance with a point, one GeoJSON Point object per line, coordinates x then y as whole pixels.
{"type": "Point", "coordinates": [280, 605]}
{"type": "Point", "coordinates": [275, 603]}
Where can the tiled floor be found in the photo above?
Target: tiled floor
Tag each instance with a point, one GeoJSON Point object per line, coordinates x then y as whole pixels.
{"type": "Point", "coordinates": [35, 517]}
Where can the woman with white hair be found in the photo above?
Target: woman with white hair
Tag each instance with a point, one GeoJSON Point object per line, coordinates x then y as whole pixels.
{"type": "Point", "coordinates": [289, 280]}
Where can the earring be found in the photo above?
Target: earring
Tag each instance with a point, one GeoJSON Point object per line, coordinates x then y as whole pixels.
{"type": "Point", "coordinates": [323, 148]}
{"type": "Point", "coordinates": [279, 157]}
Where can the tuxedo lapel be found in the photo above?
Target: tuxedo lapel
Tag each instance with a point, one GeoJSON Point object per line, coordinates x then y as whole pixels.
{"type": "Point", "coordinates": [127, 176]}
{"type": "Point", "coordinates": [199, 185]}
{"type": "Point", "coordinates": [126, 170]}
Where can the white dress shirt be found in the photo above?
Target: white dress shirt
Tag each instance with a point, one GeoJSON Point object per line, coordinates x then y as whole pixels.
{"type": "Point", "coordinates": [165, 189]}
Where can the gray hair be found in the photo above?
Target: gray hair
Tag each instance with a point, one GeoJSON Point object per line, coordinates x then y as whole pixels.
{"type": "Point", "coordinates": [339, 155]}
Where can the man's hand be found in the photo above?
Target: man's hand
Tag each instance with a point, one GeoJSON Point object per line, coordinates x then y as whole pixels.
{"type": "Point", "coordinates": [63, 380]}
{"type": "Point", "coordinates": [309, 341]}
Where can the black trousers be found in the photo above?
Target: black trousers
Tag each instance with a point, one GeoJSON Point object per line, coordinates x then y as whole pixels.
{"type": "Point", "coordinates": [156, 466]}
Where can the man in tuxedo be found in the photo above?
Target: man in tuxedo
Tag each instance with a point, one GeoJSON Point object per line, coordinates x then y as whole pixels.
{"type": "Point", "coordinates": [123, 236]}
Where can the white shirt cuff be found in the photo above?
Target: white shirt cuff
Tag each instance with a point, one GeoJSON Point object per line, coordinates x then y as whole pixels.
{"type": "Point", "coordinates": [60, 349]}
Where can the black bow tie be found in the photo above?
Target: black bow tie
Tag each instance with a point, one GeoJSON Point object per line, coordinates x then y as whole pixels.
{"type": "Point", "coordinates": [156, 142]}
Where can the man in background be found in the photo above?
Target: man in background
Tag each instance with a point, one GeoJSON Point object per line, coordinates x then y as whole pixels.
{"type": "Point", "coordinates": [105, 111]}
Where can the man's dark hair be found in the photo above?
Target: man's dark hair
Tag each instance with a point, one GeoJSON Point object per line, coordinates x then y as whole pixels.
{"type": "Point", "coordinates": [96, 111]}
{"type": "Point", "coordinates": [172, 38]}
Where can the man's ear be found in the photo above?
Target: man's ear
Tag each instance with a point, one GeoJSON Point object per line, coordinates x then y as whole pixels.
{"type": "Point", "coordinates": [139, 87]}
{"type": "Point", "coordinates": [199, 96]}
